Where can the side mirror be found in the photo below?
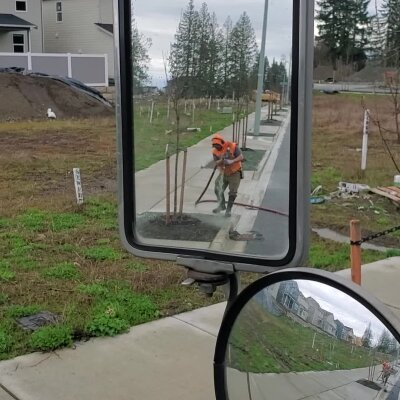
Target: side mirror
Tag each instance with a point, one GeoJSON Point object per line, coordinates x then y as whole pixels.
{"type": "Point", "coordinates": [306, 334]}
{"type": "Point", "coordinates": [243, 73]}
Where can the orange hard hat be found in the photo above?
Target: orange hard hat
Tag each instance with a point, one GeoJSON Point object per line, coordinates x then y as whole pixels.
{"type": "Point", "coordinates": [218, 139]}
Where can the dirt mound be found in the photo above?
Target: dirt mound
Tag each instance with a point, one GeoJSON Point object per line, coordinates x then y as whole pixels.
{"type": "Point", "coordinates": [369, 74]}
{"type": "Point", "coordinates": [29, 97]}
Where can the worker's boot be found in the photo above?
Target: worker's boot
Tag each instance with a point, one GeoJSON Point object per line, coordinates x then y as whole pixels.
{"type": "Point", "coordinates": [231, 200]}
{"type": "Point", "coordinates": [221, 205]}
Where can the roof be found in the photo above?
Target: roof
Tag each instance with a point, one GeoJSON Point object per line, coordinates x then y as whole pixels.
{"type": "Point", "coordinates": [10, 21]}
{"type": "Point", "coordinates": [107, 27]}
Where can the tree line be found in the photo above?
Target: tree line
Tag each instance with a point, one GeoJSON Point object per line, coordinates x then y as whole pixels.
{"type": "Point", "coordinates": [349, 35]}
{"type": "Point", "coordinates": [206, 59]}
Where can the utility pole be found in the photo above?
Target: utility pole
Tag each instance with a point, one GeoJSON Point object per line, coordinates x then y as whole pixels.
{"type": "Point", "coordinates": [261, 70]}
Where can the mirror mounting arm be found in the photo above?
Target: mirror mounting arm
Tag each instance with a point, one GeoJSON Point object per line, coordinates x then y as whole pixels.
{"type": "Point", "coordinates": [206, 266]}
{"type": "Point", "coordinates": [208, 275]}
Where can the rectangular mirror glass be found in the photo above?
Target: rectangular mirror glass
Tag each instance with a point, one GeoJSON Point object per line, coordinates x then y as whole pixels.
{"type": "Point", "coordinates": [215, 111]}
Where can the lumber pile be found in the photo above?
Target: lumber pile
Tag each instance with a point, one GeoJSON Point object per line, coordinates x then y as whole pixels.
{"type": "Point", "coordinates": [391, 192]}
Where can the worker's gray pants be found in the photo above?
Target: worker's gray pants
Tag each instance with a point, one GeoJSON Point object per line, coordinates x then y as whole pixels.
{"type": "Point", "coordinates": [222, 182]}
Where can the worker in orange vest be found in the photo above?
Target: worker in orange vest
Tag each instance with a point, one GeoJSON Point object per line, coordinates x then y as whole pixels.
{"type": "Point", "coordinates": [228, 158]}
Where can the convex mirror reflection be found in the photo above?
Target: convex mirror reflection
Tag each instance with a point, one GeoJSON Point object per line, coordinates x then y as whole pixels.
{"type": "Point", "coordinates": [204, 168]}
{"type": "Point", "coordinates": [301, 339]}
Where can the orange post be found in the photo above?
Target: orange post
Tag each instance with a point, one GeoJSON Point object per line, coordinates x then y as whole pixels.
{"type": "Point", "coordinates": [355, 251]}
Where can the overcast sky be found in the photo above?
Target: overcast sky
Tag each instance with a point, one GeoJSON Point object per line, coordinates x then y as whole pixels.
{"type": "Point", "coordinates": [347, 310]}
{"type": "Point", "coordinates": [159, 19]}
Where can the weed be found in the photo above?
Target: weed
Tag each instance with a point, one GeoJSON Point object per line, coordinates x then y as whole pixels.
{"type": "Point", "coordinates": [5, 342]}
{"type": "Point", "coordinates": [52, 337]}
{"type": "Point", "coordinates": [102, 253]}
{"type": "Point", "coordinates": [119, 310]}
{"type": "Point", "coordinates": [4, 298]}
{"type": "Point", "coordinates": [106, 322]}
{"type": "Point", "coordinates": [22, 311]}
{"type": "Point", "coordinates": [137, 266]}
{"type": "Point", "coordinates": [6, 275]}
{"type": "Point", "coordinates": [62, 271]}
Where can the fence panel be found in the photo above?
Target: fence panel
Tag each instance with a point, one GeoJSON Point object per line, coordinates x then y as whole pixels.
{"type": "Point", "coordinates": [90, 69]}
{"type": "Point", "coordinates": [50, 65]}
{"type": "Point", "coordinates": [10, 60]}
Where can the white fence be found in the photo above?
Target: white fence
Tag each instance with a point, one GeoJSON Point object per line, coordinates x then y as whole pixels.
{"type": "Point", "coordinates": [90, 69]}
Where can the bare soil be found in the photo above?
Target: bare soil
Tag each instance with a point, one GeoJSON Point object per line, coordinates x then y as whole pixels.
{"type": "Point", "coordinates": [29, 97]}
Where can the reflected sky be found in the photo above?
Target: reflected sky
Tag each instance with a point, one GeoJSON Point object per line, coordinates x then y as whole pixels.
{"type": "Point", "coordinates": [349, 311]}
{"type": "Point", "coordinates": [159, 19]}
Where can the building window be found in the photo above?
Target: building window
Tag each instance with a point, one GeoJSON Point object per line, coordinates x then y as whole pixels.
{"type": "Point", "coordinates": [18, 43]}
{"type": "Point", "coordinates": [59, 14]}
{"type": "Point", "coordinates": [20, 5]}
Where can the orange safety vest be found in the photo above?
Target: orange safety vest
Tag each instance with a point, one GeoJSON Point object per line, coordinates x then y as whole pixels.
{"type": "Point", "coordinates": [228, 151]}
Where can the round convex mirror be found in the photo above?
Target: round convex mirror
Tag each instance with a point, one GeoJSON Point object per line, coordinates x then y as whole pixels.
{"type": "Point", "coordinates": [305, 339]}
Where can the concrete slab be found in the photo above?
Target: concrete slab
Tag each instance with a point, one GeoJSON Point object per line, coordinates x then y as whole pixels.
{"type": "Point", "coordinates": [5, 396]}
{"type": "Point", "coordinates": [381, 278]}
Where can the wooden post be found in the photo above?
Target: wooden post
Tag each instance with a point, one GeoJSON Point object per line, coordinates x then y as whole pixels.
{"type": "Point", "coordinates": [183, 183]}
{"type": "Point", "coordinates": [355, 251]}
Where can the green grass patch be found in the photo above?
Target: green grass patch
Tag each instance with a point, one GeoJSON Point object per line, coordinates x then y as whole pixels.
{"type": "Point", "coordinates": [22, 311]}
{"type": "Point", "coordinates": [62, 271]}
{"type": "Point", "coordinates": [328, 177]}
{"type": "Point", "coordinates": [34, 220]}
{"type": "Point", "coordinates": [51, 337]}
{"type": "Point", "coordinates": [6, 274]}
{"type": "Point", "coordinates": [102, 253]}
{"type": "Point", "coordinates": [66, 221]}
{"type": "Point", "coordinates": [137, 266]}
{"type": "Point", "coordinates": [5, 342]}
{"type": "Point", "coordinates": [393, 253]}
{"type": "Point", "coordinates": [104, 212]}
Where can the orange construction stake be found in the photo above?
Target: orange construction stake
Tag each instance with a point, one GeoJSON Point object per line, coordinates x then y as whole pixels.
{"type": "Point", "coordinates": [355, 251]}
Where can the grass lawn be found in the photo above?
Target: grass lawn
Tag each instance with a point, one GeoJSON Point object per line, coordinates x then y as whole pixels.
{"type": "Point", "coordinates": [68, 260]}
{"type": "Point", "coordinates": [263, 343]}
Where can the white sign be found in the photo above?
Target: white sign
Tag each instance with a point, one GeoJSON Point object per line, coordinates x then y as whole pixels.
{"type": "Point", "coordinates": [78, 185]}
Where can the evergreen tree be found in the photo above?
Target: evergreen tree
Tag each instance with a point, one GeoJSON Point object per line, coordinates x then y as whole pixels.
{"type": "Point", "coordinates": [391, 11]}
{"type": "Point", "coordinates": [226, 56]}
{"type": "Point", "coordinates": [367, 337]}
{"type": "Point", "coordinates": [344, 27]}
{"type": "Point", "coordinates": [140, 57]}
{"type": "Point", "coordinates": [242, 55]}
{"type": "Point", "coordinates": [275, 76]}
{"type": "Point", "coordinates": [183, 61]}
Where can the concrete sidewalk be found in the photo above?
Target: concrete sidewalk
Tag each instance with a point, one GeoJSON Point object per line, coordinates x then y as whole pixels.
{"type": "Point", "coordinates": [169, 359]}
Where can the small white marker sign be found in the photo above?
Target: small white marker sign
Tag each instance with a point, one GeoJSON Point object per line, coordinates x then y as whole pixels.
{"type": "Point", "coordinates": [78, 185]}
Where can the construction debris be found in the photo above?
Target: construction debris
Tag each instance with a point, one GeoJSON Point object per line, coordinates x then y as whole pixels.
{"type": "Point", "coordinates": [347, 187]}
